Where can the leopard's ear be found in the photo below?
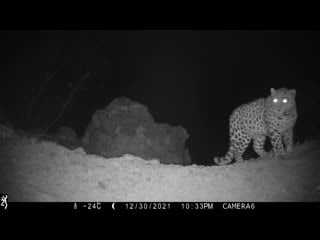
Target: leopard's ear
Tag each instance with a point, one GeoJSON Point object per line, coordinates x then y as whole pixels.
{"type": "Point", "coordinates": [293, 92]}
{"type": "Point", "coordinates": [273, 91]}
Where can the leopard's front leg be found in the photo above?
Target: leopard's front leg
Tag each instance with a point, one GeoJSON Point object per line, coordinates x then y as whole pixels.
{"type": "Point", "coordinates": [288, 141]}
{"type": "Point", "coordinates": [276, 142]}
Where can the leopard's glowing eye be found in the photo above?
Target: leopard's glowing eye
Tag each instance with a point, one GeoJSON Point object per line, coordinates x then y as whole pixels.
{"type": "Point", "coordinates": [285, 100]}
{"type": "Point", "coordinates": [275, 100]}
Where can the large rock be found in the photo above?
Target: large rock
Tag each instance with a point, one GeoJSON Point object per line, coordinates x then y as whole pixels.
{"type": "Point", "coordinates": [126, 127]}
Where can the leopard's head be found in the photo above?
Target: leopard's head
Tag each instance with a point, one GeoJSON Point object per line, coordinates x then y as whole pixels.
{"type": "Point", "coordinates": [282, 100]}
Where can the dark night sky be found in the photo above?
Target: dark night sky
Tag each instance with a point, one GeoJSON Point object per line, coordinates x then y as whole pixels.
{"type": "Point", "coordinates": [188, 78]}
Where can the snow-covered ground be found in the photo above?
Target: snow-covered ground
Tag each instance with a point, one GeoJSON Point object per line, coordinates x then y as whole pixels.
{"type": "Point", "coordinates": [44, 171]}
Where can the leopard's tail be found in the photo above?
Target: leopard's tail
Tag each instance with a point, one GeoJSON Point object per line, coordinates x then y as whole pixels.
{"type": "Point", "coordinates": [226, 159]}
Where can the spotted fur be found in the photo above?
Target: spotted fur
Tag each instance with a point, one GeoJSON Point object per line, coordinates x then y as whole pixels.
{"type": "Point", "coordinates": [274, 116]}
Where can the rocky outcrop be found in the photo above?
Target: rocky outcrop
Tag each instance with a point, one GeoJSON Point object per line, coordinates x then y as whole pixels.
{"type": "Point", "coordinates": [126, 127]}
{"type": "Point", "coordinates": [6, 132]}
{"type": "Point", "coordinates": [67, 137]}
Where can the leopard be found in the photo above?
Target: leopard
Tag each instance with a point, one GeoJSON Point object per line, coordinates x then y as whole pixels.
{"type": "Point", "coordinates": [273, 116]}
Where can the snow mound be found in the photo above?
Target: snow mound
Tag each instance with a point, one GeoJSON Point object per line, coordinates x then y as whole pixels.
{"type": "Point", "coordinates": [45, 171]}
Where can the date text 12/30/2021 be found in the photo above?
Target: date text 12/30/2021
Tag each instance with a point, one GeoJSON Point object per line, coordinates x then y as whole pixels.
{"type": "Point", "coordinates": [167, 206]}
